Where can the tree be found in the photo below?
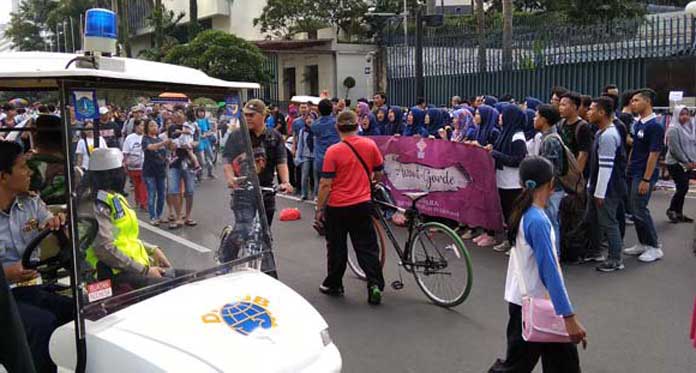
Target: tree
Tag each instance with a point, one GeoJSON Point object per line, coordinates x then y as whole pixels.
{"type": "Point", "coordinates": [193, 26]}
{"type": "Point", "coordinates": [507, 34]}
{"type": "Point", "coordinates": [221, 55]}
{"type": "Point", "coordinates": [481, 32]}
{"type": "Point", "coordinates": [27, 25]}
{"type": "Point", "coordinates": [164, 23]}
{"type": "Point", "coordinates": [286, 18]}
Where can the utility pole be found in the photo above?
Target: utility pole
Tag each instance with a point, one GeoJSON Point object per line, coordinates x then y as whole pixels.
{"type": "Point", "coordinates": [481, 31]}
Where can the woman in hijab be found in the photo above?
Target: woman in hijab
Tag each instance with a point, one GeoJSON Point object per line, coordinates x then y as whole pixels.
{"type": "Point", "coordinates": [533, 137]}
{"type": "Point", "coordinates": [366, 120]}
{"type": "Point", "coordinates": [490, 100]}
{"type": "Point", "coordinates": [508, 152]}
{"type": "Point", "coordinates": [486, 131]}
{"type": "Point", "coordinates": [415, 123]}
{"type": "Point", "coordinates": [681, 160]}
{"type": "Point", "coordinates": [462, 122]}
{"type": "Point", "coordinates": [381, 116]}
{"type": "Point", "coordinates": [395, 125]}
{"type": "Point", "coordinates": [433, 121]}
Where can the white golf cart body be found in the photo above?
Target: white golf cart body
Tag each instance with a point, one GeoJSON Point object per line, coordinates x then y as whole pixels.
{"type": "Point", "coordinates": [243, 320]}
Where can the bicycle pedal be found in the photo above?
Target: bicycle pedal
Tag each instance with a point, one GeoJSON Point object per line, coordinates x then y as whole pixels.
{"type": "Point", "coordinates": [397, 285]}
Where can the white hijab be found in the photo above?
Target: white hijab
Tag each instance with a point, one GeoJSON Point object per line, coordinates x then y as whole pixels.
{"type": "Point", "coordinates": [688, 131]}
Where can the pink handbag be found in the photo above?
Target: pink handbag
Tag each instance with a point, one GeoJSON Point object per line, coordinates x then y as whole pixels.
{"type": "Point", "coordinates": [539, 320]}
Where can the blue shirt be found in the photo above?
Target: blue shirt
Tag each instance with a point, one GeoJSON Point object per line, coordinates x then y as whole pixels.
{"type": "Point", "coordinates": [21, 226]}
{"type": "Point", "coordinates": [648, 137]}
{"type": "Point", "coordinates": [325, 135]}
{"type": "Point", "coordinates": [204, 126]}
{"type": "Point", "coordinates": [270, 122]}
{"type": "Point", "coordinates": [297, 125]}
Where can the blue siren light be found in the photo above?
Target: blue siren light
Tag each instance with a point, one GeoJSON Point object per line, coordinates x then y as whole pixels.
{"type": "Point", "coordinates": [100, 23]}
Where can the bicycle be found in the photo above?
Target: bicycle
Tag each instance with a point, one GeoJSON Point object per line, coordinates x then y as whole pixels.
{"type": "Point", "coordinates": [432, 252]}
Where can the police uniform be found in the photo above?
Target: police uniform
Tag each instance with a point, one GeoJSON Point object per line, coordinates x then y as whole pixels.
{"type": "Point", "coordinates": [41, 311]}
{"type": "Point", "coordinates": [118, 253]}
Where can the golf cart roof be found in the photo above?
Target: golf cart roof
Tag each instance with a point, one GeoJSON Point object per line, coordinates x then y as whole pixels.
{"type": "Point", "coordinates": [35, 70]}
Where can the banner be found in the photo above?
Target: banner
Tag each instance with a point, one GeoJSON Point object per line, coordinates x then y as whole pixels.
{"type": "Point", "coordinates": [460, 179]}
{"type": "Point", "coordinates": [85, 103]}
{"type": "Point", "coordinates": [232, 105]}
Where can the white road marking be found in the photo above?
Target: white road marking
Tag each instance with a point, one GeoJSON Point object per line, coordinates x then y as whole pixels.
{"type": "Point", "coordinates": [173, 237]}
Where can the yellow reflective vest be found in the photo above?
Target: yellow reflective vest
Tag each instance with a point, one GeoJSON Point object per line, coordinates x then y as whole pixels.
{"type": "Point", "coordinates": [125, 230]}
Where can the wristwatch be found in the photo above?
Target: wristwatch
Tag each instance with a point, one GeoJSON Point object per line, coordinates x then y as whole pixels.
{"type": "Point", "coordinates": [646, 180]}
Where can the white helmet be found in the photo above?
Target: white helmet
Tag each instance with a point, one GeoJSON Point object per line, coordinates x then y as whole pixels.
{"type": "Point", "coordinates": [105, 159]}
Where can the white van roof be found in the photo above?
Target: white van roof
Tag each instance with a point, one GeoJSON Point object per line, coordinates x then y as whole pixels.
{"type": "Point", "coordinates": [44, 68]}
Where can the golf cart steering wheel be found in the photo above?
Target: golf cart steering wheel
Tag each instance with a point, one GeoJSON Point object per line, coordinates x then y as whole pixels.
{"type": "Point", "coordinates": [87, 230]}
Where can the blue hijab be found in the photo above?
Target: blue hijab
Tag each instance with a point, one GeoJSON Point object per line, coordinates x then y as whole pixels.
{"type": "Point", "coordinates": [532, 103]}
{"type": "Point", "coordinates": [436, 121]}
{"type": "Point", "coordinates": [488, 130]}
{"type": "Point", "coordinates": [397, 126]}
{"type": "Point", "coordinates": [490, 100]}
{"type": "Point", "coordinates": [373, 130]}
{"type": "Point", "coordinates": [514, 120]}
{"type": "Point", "coordinates": [418, 127]}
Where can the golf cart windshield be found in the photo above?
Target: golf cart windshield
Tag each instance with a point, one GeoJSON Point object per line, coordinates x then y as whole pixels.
{"type": "Point", "coordinates": [120, 247]}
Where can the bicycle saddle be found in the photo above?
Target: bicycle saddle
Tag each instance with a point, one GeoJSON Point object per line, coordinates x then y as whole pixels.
{"type": "Point", "coordinates": [415, 196]}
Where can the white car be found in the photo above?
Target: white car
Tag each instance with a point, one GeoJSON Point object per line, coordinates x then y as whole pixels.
{"type": "Point", "coordinates": [226, 317]}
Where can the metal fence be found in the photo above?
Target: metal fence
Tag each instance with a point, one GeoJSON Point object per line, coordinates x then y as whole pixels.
{"type": "Point", "coordinates": [580, 57]}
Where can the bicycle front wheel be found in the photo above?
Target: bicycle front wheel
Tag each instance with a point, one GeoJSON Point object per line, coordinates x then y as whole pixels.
{"type": "Point", "coordinates": [353, 259]}
{"type": "Point", "coordinates": [441, 264]}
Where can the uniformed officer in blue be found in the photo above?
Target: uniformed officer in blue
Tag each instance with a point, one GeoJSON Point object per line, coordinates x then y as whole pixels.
{"type": "Point", "coordinates": [118, 253]}
{"type": "Point", "coordinates": [22, 217]}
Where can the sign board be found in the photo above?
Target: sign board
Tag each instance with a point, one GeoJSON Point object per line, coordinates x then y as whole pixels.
{"type": "Point", "coordinates": [676, 96]}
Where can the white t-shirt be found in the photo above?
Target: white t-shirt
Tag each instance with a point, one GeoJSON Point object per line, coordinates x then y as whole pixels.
{"type": "Point", "coordinates": [133, 152]}
{"type": "Point", "coordinates": [508, 177]}
{"type": "Point", "coordinates": [83, 147]}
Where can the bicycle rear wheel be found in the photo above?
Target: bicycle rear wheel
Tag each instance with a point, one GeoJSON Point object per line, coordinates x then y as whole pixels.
{"type": "Point", "coordinates": [353, 259]}
{"type": "Point", "coordinates": [441, 264]}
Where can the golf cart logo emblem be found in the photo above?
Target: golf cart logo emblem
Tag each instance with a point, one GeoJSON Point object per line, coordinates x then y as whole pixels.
{"type": "Point", "coordinates": [243, 316]}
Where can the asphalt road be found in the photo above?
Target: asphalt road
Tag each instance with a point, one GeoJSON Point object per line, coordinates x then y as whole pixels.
{"type": "Point", "coordinates": [637, 319]}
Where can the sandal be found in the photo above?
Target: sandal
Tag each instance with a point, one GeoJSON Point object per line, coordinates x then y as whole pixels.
{"type": "Point", "coordinates": [173, 224]}
{"type": "Point", "coordinates": [191, 222]}
{"type": "Point", "coordinates": [171, 218]}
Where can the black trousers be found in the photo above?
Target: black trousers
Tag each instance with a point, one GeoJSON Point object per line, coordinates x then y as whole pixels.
{"type": "Point", "coordinates": [523, 356]}
{"type": "Point", "coordinates": [356, 221]}
{"type": "Point", "coordinates": [42, 312]}
{"type": "Point", "coordinates": [681, 181]}
{"type": "Point", "coordinates": [15, 354]}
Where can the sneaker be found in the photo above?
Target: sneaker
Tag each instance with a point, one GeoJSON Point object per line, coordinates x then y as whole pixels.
{"type": "Point", "coordinates": [635, 250]}
{"type": "Point", "coordinates": [651, 254]}
{"type": "Point", "coordinates": [502, 247]}
{"type": "Point", "coordinates": [672, 216]}
{"type": "Point", "coordinates": [480, 237]}
{"type": "Point", "coordinates": [334, 292]}
{"type": "Point", "coordinates": [685, 219]}
{"type": "Point", "coordinates": [597, 258]}
{"type": "Point", "coordinates": [486, 241]}
{"type": "Point", "coordinates": [610, 265]}
{"type": "Point", "coordinates": [155, 222]}
{"type": "Point", "coordinates": [374, 295]}
{"type": "Point", "coordinates": [469, 234]}
{"type": "Point", "coordinates": [629, 219]}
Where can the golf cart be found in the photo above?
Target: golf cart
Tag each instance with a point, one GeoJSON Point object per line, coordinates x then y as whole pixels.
{"type": "Point", "coordinates": [216, 316]}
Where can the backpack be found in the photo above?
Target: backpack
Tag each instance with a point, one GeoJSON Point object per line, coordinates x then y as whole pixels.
{"type": "Point", "coordinates": [574, 229]}
{"type": "Point", "coordinates": [571, 178]}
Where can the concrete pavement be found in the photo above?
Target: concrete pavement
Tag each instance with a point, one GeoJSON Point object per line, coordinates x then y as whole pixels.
{"type": "Point", "coordinates": [637, 319]}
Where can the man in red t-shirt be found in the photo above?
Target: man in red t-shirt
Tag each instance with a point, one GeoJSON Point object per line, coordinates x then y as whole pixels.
{"type": "Point", "coordinates": [345, 201]}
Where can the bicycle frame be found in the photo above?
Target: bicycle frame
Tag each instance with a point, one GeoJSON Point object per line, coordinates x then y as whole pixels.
{"type": "Point", "coordinates": [413, 218]}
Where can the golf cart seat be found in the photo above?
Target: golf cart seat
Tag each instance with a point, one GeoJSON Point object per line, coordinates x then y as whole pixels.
{"type": "Point", "coordinates": [416, 196]}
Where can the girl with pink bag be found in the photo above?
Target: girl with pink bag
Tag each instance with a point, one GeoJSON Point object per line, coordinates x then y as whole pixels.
{"type": "Point", "coordinates": [537, 328]}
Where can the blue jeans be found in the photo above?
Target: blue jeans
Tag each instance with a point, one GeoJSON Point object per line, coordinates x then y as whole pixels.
{"type": "Point", "coordinates": [155, 195]}
{"type": "Point", "coordinates": [307, 178]}
{"type": "Point", "coordinates": [174, 179]}
{"type": "Point", "coordinates": [645, 227]}
{"type": "Point", "coordinates": [607, 226]}
{"type": "Point", "coordinates": [551, 210]}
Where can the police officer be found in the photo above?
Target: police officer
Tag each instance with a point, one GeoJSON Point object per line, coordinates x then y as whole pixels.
{"type": "Point", "coordinates": [118, 253]}
{"type": "Point", "coordinates": [269, 156]}
{"type": "Point", "coordinates": [22, 217]}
